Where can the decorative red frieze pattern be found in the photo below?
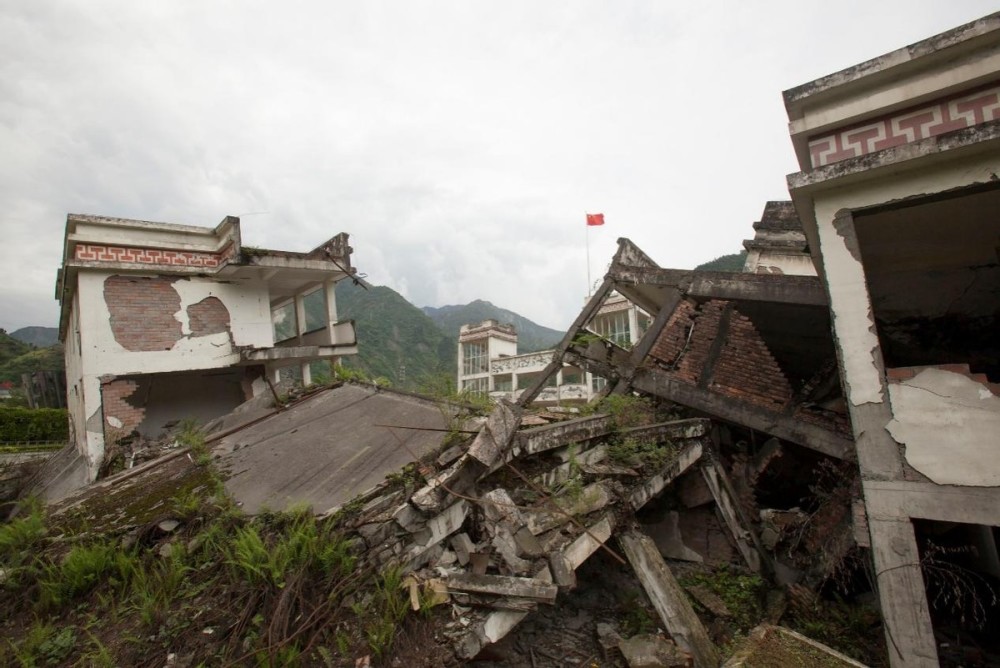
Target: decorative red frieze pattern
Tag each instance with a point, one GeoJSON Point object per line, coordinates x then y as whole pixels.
{"type": "Point", "coordinates": [903, 127]}
{"type": "Point", "coordinates": [98, 253]}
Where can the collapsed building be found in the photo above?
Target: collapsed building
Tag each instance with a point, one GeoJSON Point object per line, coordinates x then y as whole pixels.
{"type": "Point", "coordinates": [827, 415]}
{"type": "Point", "coordinates": [163, 322]}
{"type": "Point", "coordinates": [489, 363]}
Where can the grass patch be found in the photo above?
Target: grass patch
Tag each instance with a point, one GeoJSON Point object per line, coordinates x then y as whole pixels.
{"type": "Point", "coordinates": [742, 593]}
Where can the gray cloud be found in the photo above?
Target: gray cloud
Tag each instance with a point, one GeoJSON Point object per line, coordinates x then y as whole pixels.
{"type": "Point", "coordinates": [459, 143]}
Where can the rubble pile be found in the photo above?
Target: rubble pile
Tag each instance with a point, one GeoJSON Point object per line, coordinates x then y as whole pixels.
{"type": "Point", "coordinates": [502, 527]}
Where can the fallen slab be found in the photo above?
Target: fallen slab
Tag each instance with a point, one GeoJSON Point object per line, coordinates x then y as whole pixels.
{"type": "Point", "coordinates": [769, 645]}
{"type": "Point", "coordinates": [668, 598]}
{"type": "Point", "coordinates": [503, 585]}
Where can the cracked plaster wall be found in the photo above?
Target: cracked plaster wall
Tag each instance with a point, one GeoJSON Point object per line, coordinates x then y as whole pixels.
{"type": "Point", "coordinates": [197, 341]}
{"type": "Point", "coordinates": [249, 325]}
{"type": "Point", "coordinates": [850, 304]}
{"type": "Point", "coordinates": [948, 424]}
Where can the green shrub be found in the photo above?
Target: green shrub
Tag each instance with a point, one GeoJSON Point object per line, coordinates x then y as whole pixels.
{"type": "Point", "coordinates": [39, 424]}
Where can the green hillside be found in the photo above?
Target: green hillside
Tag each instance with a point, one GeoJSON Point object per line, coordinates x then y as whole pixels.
{"type": "Point", "coordinates": [530, 336]}
{"type": "Point", "coordinates": [396, 340]}
{"type": "Point", "coordinates": [17, 357]}
{"type": "Point", "coordinates": [732, 262]}
{"type": "Point", "coordinates": [37, 336]}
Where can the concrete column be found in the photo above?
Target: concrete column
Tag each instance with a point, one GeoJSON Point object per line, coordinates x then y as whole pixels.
{"type": "Point", "coordinates": [300, 317]}
{"type": "Point", "coordinates": [903, 598]}
{"type": "Point", "coordinates": [669, 598]}
{"type": "Point", "coordinates": [330, 289]}
{"type": "Point", "coordinates": [306, 375]}
{"type": "Point", "coordinates": [633, 326]}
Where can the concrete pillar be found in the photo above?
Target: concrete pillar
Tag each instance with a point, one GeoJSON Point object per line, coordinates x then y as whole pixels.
{"type": "Point", "coordinates": [633, 325]}
{"type": "Point", "coordinates": [306, 374]}
{"type": "Point", "coordinates": [300, 317]}
{"type": "Point", "coordinates": [330, 290]}
{"type": "Point", "coordinates": [669, 598]}
{"type": "Point", "coordinates": [908, 632]}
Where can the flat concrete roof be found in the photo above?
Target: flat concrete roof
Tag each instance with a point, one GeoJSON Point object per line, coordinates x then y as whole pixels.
{"type": "Point", "coordinates": [327, 449]}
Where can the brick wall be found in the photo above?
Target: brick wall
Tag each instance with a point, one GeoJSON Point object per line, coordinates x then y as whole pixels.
{"type": "Point", "coordinates": [744, 369]}
{"type": "Point", "coordinates": [142, 312]}
{"type": "Point", "coordinates": [747, 369]}
{"type": "Point", "coordinates": [209, 316]}
{"type": "Point", "coordinates": [121, 400]}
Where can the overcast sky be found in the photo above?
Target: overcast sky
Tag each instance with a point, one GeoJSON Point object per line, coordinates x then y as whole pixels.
{"type": "Point", "coordinates": [459, 143]}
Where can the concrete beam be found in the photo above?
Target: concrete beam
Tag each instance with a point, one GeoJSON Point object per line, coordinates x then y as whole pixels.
{"type": "Point", "coordinates": [743, 413]}
{"type": "Point", "coordinates": [746, 540]}
{"type": "Point", "coordinates": [588, 312]}
{"type": "Point", "coordinates": [503, 585]}
{"type": "Point", "coordinates": [669, 599]}
{"type": "Point", "coordinates": [685, 459]}
{"type": "Point", "coordinates": [736, 286]}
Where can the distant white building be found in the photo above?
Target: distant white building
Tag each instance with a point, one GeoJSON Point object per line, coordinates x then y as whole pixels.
{"type": "Point", "coordinates": [488, 361]}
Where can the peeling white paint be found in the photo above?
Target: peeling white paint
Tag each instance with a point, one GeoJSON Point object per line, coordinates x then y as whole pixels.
{"type": "Point", "coordinates": [948, 426]}
{"type": "Point", "coordinates": [249, 313]}
{"type": "Point", "coordinates": [851, 309]}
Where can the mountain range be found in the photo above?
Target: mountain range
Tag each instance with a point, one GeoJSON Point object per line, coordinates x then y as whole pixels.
{"type": "Point", "coordinates": [417, 349]}
{"type": "Point", "coordinates": [531, 337]}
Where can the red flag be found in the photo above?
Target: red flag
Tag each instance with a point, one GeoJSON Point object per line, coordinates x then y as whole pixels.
{"type": "Point", "coordinates": [595, 219]}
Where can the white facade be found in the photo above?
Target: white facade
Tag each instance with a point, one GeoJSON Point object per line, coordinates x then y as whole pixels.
{"type": "Point", "coordinates": [779, 245]}
{"type": "Point", "coordinates": [898, 198]}
{"type": "Point", "coordinates": [163, 322]}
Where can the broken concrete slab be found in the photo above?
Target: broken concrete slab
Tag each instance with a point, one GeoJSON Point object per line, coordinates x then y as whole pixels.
{"type": "Point", "coordinates": [669, 541]}
{"type": "Point", "coordinates": [591, 498]}
{"type": "Point", "coordinates": [327, 449]}
{"type": "Point", "coordinates": [502, 585]}
{"type": "Point", "coordinates": [652, 651]}
{"type": "Point", "coordinates": [493, 439]}
{"type": "Point", "coordinates": [768, 645]}
{"type": "Point", "coordinates": [669, 598]}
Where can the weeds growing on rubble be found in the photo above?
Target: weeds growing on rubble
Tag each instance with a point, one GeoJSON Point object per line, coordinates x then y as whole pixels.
{"type": "Point", "coordinates": [741, 592]}
{"type": "Point", "coordinates": [276, 589]}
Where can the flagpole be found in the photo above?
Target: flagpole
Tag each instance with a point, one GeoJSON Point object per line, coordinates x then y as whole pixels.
{"type": "Point", "coordinates": [588, 258]}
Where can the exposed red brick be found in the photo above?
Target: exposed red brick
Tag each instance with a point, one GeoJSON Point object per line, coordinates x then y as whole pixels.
{"type": "Point", "coordinates": [118, 402]}
{"type": "Point", "coordinates": [209, 316]}
{"type": "Point", "coordinates": [142, 312]}
{"type": "Point", "coordinates": [745, 368]}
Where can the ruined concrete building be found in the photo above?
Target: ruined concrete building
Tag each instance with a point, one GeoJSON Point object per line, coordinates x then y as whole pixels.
{"type": "Point", "coordinates": [489, 363]}
{"type": "Point", "coordinates": [779, 246]}
{"type": "Point", "coordinates": [899, 198]}
{"type": "Point", "coordinates": [829, 414]}
{"type": "Point", "coordinates": [163, 322]}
